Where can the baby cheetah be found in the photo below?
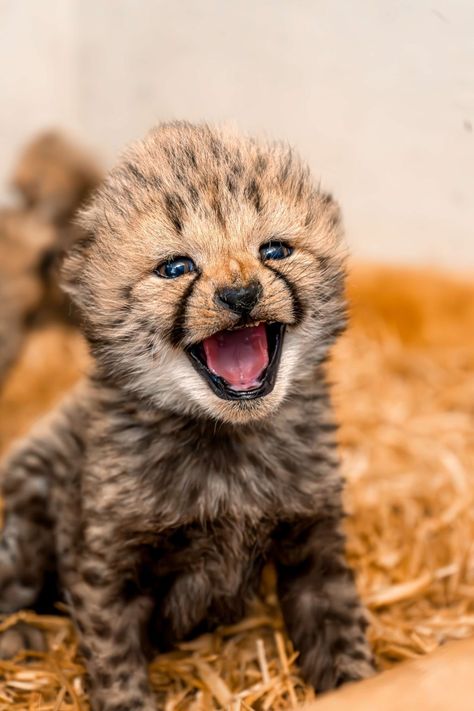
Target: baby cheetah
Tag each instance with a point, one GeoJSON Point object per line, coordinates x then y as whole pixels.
{"type": "Point", "coordinates": [202, 444]}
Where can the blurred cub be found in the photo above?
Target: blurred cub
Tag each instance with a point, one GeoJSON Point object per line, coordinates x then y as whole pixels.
{"type": "Point", "coordinates": [54, 178]}
{"type": "Point", "coordinates": [24, 240]}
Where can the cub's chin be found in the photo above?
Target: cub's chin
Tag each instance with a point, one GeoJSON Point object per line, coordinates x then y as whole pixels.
{"type": "Point", "coordinates": [235, 376]}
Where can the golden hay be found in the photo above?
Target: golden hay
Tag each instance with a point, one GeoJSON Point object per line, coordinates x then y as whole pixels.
{"type": "Point", "coordinates": [405, 397]}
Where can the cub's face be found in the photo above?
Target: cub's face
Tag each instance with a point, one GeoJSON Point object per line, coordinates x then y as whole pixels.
{"type": "Point", "coordinates": [211, 282]}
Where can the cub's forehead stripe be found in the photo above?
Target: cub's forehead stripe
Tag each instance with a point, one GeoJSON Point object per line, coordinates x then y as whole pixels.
{"type": "Point", "coordinates": [177, 330]}
{"type": "Point", "coordinates": [297, 306]}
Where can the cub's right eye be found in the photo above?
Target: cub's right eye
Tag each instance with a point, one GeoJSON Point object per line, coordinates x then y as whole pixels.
{"type": "Point", "coordinates": [174, 268]}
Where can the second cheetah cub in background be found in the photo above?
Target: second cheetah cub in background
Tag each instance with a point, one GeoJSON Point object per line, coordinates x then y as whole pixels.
{"type": "Point", "coordinates": [210, 286]}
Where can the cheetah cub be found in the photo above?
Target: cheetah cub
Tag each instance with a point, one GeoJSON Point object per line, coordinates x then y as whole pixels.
{"type": "Point", "coordinates": [202, 444]}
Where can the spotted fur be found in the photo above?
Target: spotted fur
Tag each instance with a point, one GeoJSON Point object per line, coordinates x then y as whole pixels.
{"type": "Point", "coordinates": [155, 501]}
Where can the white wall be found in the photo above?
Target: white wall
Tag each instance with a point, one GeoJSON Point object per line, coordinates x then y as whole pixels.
{"type": "Point", "coordinates": [377, 94]}
{"type": "Point", "coordinates": [37, 70]}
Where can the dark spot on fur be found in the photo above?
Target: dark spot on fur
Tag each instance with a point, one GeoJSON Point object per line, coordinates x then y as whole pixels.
{"type": "Point", "coordinates": [237, 169]}
{"type": "Point", "coordinates": [101, 628]}
{"type": "Point", "coordinates": [120, 635]}
{"type": "Point", "coordinates": [231, 183]}
{"type": "Point", "coordinates": [123, 678]}
{"type": "Point", "coordinates": [252, 193]}
{"type": "Point", "coordinates": [126, 292]}
{"type": "Point", "coordinates": [94, 578]}
{"type": "Point", "coordinates": [217, 207]}
{"type": "Point", "coordinates": [175, 207]}
{"type": "Point", "coordinates": [260, 164]}
{"type": "Point", "coordinates": [80, 625]}
{"type": "Point", "coordinates": [309, 218]}
{"type": "Point", "coordinates": [177, 330]}
{"type": "Point", "coordinates": [104, 679]}
{"type": "Point", "coordinates": [76, 601]}
{"type": "Point", "coordinates": [191, 156]}
{"type": "Point", "coordinates": [193, 195]}
{"type": "Point", "coordinates": [297, 306]}
{"type": "Point", "coordinates": [131, 655]}
{"type": "Point", "coordinates": [340, 645]}
{"type": "Point", "coordinates": [85, 651]}
{"type": "Point", "coordinates": [215, 147]}
{"type": "Point", "coordinates": [138, 175]}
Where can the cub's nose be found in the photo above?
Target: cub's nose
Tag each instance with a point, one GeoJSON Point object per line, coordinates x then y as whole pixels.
{"type": "Point", "coordinates": [240, 300]}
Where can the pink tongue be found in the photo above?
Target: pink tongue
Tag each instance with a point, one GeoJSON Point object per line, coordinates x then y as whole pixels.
{"type": "Point", "coordinates": [238, 356]}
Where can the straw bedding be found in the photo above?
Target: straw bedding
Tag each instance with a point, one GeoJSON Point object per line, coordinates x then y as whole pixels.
{"type": "Point", "coordinates": [404, 393]}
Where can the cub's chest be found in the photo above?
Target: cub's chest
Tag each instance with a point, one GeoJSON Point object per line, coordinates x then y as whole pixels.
{"type": "Point", "coordinates": [249, 481]}
{"type": "Point", "coordinates": [199, 576]}
{"type": "Point", "coordinates": [171, 481]}
{"type": "Point", "coordinates": [222, 550]}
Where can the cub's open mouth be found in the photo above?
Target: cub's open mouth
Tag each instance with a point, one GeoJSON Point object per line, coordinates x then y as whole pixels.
{"type": "Point", "coordinates": [241, 364]}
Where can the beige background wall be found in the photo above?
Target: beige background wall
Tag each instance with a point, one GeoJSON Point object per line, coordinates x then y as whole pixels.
{"type": "Point", "coordinates": [377, 94]}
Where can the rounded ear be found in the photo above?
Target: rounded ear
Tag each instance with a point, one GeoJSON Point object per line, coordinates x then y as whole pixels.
{"type": "Point", "coordinates": [73, 271]}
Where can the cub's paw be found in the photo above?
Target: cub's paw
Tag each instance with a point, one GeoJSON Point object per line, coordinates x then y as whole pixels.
{"type": "Point", "coordinates": [20, 637]}
{"type": "Point", "coordinates": [353, 669]}
{"type": "Point", "coordinates": [325, 673]}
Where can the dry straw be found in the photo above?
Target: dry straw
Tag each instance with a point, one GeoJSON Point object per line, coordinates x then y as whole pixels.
{"type": "Point", "coordinates": [404, 392]}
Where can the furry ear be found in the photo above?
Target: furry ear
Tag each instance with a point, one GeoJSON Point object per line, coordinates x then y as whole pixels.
{"type": "Point", "coordinates": [73, 271]}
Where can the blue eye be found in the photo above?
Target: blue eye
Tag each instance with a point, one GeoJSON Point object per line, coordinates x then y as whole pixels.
{"type": "Point", "coordinates": [275, 250]}
{"type": "Point", "coordinates": [174, 268]}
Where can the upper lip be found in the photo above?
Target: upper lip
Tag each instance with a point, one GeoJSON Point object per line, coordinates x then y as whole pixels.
{"type": "Point", "coordinates": [275, 334]}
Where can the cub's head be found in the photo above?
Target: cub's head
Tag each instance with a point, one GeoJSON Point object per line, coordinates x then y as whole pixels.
{"type": "Point", "coordinates": [212, 278]}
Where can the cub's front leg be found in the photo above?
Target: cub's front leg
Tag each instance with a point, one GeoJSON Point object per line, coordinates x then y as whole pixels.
{"type": "Point", "coordinates": [110, 620]}
{"type": "Point", "coordinates": [33, 490]}
{"type": "Point", "coordinates": [320, 604]}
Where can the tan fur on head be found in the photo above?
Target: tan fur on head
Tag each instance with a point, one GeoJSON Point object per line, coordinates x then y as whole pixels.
{"type": "Point", "coordinates": [215, 197]}
{"type": "Point", "coordinates": [54, 176]}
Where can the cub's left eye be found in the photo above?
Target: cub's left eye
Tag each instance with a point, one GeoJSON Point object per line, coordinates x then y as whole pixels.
{"type": "Point", "coordinates": [174, 268]}
{"type": "Point", "coordinates": [275, 250]}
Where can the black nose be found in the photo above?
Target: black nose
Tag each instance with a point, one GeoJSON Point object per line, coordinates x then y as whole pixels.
{"type": "Point", "coordinates": [240, 300]}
